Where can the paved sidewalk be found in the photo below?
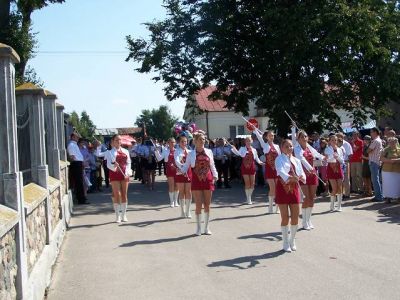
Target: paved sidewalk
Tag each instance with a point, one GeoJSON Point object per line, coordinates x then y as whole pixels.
{"type": "Point", "coordinates": [350, 255]}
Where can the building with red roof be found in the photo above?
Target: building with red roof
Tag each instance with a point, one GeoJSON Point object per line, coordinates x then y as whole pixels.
{"type": "Point", "coordinates": [216, 119]}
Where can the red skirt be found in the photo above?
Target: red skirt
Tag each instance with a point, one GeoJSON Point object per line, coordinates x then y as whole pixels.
{"type": "Point", "coordinates": [270, 173]}
{"type": "Point", "coordinates": [334, 171]}
{"type": "Point", "coordinates": [311, 179]}
{"type": "Point", "coordinates": [201, 185]}
{"type": "Point", "coordinates": [286, 193]}
{"type": "Point", "coordinates": [250, 170]}
{"type": "Point", "coordinates": [183, 178]}
{"type": "Point", "coordinates": [170, 170]}
{"type": "Point", "coordinates": [117, 176]}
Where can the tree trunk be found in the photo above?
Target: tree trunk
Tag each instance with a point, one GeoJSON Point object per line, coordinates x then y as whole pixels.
{"type": "Point", "coordinates": [5, 6]}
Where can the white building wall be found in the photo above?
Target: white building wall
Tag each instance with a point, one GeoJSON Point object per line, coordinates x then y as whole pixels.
{"type": "Point", "coordinates": [219, 122]}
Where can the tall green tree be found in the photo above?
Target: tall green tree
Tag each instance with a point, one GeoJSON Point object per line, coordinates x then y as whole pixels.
{"type": "Point", "coordinates": [306, 57]}
{"type": "Point", "coordinates": [83, 125]}
{"type": "Point", "coordinates": [16, 29]}
{"type": "Point", "coordinates": [158, 122]}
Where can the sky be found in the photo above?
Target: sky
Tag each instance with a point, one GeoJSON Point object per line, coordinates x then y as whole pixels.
{"type": "Point", "coordinates": [107, 87]}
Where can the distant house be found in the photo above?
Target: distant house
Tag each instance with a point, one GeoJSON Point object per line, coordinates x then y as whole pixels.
{"type": "Point", "coordinates": [217, 120]}
{"type": "Point", "coordinates": [126, 133]}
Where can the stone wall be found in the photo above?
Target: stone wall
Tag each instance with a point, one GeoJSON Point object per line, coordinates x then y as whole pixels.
{"type": "Point", "coordinates": [64, 179]}
{"type": "Point", "coordinates": [35, 234]}
{"type": "Point", "coordinates": [8, 266]}
{"type": "Point", "coordinates": [55, 208]}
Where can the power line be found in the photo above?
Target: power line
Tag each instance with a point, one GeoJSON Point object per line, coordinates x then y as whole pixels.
{"type": "Point", "coordinates": [81, 52]}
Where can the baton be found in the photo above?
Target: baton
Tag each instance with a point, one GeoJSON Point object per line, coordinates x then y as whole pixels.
{"type": "Point", "coordinates": [307, 143]}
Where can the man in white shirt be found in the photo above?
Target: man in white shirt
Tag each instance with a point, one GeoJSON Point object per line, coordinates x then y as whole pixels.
{"type": "Point", "coordinates": [374, 160]}
{"type": "Point", "coordinates": [348, 152]}
{"type": "Point", "coordinates": [76, 169]}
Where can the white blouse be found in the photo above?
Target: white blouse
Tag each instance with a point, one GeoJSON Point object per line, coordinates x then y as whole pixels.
{"type": "Point", "coordinates": [266, 147]}
{"type": "Point", "coordinates": [299, 154]}
{"type": "Point", "coordinates": [283, 165]}
{"type": "Point", "coordinates": [243, 151]}
{"type": "Point", "coordinates": [191, 162]}
{"type": "Point", "coordinates": [178, 156]}
{"type": "Point", "coordinates": [111, 155]}
{"type": "Point", "coordinates": [330, 153]}
{"type": "Point", "coordinates": [163, 155]}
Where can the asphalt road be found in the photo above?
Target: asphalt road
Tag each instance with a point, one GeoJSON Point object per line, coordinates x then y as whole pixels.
{"type": "Point", "coordinates": [350, 255]}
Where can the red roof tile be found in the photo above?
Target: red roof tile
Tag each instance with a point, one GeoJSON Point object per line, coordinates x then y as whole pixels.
{"type": "Point", "coordinates": [208, 105]}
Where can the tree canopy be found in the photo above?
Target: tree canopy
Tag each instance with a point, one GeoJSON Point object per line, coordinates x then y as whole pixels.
{"type": "Point", "coordinates": [83, 125]}
{"type": "Point", "coordinates": [158, 122]}
{"type": "Point", "coordinates": [306, 57]}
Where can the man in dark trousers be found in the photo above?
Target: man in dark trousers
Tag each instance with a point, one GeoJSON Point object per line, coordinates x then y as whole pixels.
{"type": "Point", "coordinates": [76, 168]}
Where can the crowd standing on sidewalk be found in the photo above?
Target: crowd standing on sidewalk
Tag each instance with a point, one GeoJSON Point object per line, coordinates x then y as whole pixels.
{"type": "Point", "coordinates": [294, 171]}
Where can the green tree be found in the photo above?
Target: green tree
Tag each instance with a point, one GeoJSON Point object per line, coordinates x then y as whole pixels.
{"type": "Point", "coordinates": [16, 29]}
{"type": "Point", "coordinates": [158, 122]}
{"type": "Point", "coordinates": [83, 125]}
{"type": "Point", "coordinates": [306, 57]}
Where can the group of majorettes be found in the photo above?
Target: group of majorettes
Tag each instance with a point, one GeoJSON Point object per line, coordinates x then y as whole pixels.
{"type": "Point", "coordinates": [190, 173]}
{"type": "Point", "coordinates": [289, 171]}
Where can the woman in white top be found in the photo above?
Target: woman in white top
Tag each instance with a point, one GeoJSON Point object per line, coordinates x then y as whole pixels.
{"type": "Point", "coordinates": [288, 193]}
{"type": "Point", "coordinates": [204, 174]}
{"type": "Point", "coordinates": [271, 152]}
{"type": "Point", "coordinates": [334, 172]}
{"type": "Point", "coordinates": [183, 179]}
{"type": "Point", "coordinates": [248, 167]}
{"type": "Point", "coordinates": [170, 170]}
{"type": "Point", "coordinates": [307, 154]}
{"type": "Point", "coordinates": [119, 164]}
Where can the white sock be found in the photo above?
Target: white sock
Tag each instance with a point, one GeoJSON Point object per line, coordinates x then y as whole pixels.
{"type": "Point", "coordinates": [251, 193]}
{"type": "Point", "coordinates": [171, 198]}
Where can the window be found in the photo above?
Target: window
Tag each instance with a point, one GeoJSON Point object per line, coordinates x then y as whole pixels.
{"type": "Point", "coordinates": [235, 130]}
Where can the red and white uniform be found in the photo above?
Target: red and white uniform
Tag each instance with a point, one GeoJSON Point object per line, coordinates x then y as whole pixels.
{"type": "Point", "coordinates": [168, 156]}
{"type": "Point", "coordinates": [122, 157]}
{"type": "Point", "coordinates": [307, 157]}
{"type": "Point", "coordinates": [285, 192]}
{"type": "Point", "coordinates": [249, 156]}
{"type": "Point", "coordinates": [271, 152]}
{"type": "Point", "coordinates": [180, 157]}
{"type": "Point", "coordinates": [203, 169]}
{"type": "Point", "coordinates": [334, 170]}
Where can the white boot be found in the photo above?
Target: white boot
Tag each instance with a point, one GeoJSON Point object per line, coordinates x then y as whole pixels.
{"type": "Point", "coordinates": [304, 218]}
{"type": "Point", "coordinates": [198, 221]}
{"type": "Point", "coordinates": [292, 240]}
{"type": "Point", "coordinates": [285, 238]}
{"type": "Point", "coordinates": [188, 214]}
{"type": "Point", "coordinates": [271, 203]}
{"type": "Point", "coordinates": [171, 199]}
{"type": "Point", "coordinates": [339, 199]}
{"type": "Point", "coordinates": [332, 202]}
{"type": "Point", "coordinates": [206, 220]}
{"type": "Point", "coordinates": [182, 201]}
{"type": "Point", "coordinates": [176, 194]}
{"type": "Point", "coordinates": [309, 214]}
{"type": "Point", "coordinates": [117, 215]}
{"type": "Point", "coordinates": [250, 194]}
{"type": "Point", "coordinates": [123, 212]}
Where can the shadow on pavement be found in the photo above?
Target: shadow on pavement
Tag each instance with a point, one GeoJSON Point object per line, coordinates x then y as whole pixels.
{"type": "Point", "coordinates": [238, 217]}
{"type": "Point", "coordinates": [159, 241]}
{"type": "Point", "coordinates": [89, 225]}
{"type": "Point", "coordinates": [270, 236]}
{"type": "Point", "coordinates": [248, 261]}
{"type": "Point", "coordinates": [151, 222]}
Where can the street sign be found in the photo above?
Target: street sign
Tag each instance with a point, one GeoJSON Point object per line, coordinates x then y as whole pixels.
{"type": "Point", "coordinates": [253, 122]}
